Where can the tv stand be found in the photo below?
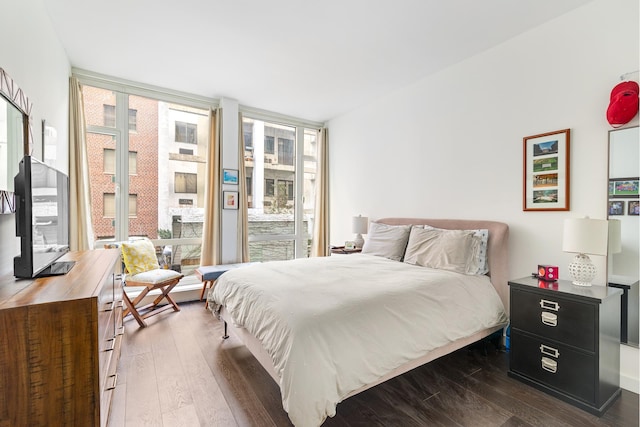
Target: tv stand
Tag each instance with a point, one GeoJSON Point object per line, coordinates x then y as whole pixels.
{"type": "Point", "coordinates": [60, 343]}
{"type": "Point", "coordinates": [58, 268]}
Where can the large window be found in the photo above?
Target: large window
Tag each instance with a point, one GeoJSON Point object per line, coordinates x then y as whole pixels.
{"type": "Point", "coordinates": [136, 146]}
{"type": "Point", "coordinates": [280, 164]}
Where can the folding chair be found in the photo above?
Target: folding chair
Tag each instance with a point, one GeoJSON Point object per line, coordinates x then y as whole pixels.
{"type": "Point", "coordinates": [142, 269]}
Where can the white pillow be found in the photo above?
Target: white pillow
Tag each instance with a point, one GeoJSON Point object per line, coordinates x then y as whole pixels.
{"type": "Point", "coordinates": [388, 241]}
{"type": "Point", "coordinates": [453, 250]}
{"type": "Point", "coordinates": [483, 233]}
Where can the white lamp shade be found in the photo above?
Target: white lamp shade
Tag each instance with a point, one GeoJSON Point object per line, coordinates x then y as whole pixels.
{"type": "Point", "coordinates": [585, 236]}
{"type": "Point", "coordinates": [360, 224]}
{"type": "Point", "coordinates": [615, 236]}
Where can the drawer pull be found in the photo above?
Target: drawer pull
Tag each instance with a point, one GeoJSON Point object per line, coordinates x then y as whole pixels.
{"type": "Point", "coordinates": [549, 305]}
{"type": "Point", "coordinates": [109, 306]}
{"type": "Point", "coordinates": [549, 365]}
{"type": "Point", "coordinates": [549, 351]}
{"type": "Point", "coordinates": [112, 345]}
{"type": "Point", "coordinates": [114, 383]}
{"type": "Point", "coordinates": [549, 319]}
{"type": "Point", "coordinates": [120, 330]}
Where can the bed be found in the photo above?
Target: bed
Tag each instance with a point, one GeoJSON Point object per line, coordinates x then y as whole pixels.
{"type": "Point", "coordinates": [328, 328]}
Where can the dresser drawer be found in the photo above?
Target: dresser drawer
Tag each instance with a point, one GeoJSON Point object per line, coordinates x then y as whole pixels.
{"type": "Point", "coordinates": [551, 316]}
{"type": "Point", "coordinates": [554, 365]}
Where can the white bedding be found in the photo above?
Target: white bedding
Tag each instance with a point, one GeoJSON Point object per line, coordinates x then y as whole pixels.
{"type": "Point", "coordinates": [334, 324]}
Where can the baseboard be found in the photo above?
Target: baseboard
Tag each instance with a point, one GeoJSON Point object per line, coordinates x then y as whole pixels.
{"type": "Point", "coordinates": [629, 383]}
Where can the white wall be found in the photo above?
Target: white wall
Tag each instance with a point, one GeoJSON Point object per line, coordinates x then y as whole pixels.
{"type": "Point", "coordinates": [31, 54]}
{"type": "Point", "coordinates": [450, 146]}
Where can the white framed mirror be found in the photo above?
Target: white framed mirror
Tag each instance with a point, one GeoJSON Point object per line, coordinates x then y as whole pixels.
{"type": "Point", "coordinates": [623, 262]}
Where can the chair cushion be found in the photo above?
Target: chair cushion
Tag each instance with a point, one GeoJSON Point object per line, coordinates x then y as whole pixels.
{"type": "Point", "coordinates": [139, 256]}
{"type": "Point", "coordinates": [156, 276]}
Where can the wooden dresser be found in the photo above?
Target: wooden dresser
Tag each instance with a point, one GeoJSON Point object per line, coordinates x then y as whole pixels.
{"type": "Point", "coordinates": [60, 343]}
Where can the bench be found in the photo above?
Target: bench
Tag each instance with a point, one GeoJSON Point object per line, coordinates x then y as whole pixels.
{"type": "Point", "coordinates": [208, 274]}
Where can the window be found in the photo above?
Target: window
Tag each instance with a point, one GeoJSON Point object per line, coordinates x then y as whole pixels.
{"type": "Point", "coordinates": [109, 205]}
{"type": "Point", "coordinates": [109, 162]}
{"type": "Point", "coordinates": [186, 182]}
{"type": "Point", "coordinates": [249, 185]}
{"type": "Point", "coordinates": [280, 219]}
{"type": "Point", "coordinates": [109, 121]}
{"type": "Point", "coordinates": [285, 151]}
{"type": "Point", "coordinates": [163, 203]}
{"type": "Point", "coordinates": [288, 187]}
{"type": "Point", "coordinates": [109, 116]}
{"type": "Point", "coordinates": [186, 132]}
{"type": "Point", "coordinates": [268, 145]}
{"type": "Point", "coordinates": [269, 188]}
{"type": "Point", "coordinates": [133, 120]}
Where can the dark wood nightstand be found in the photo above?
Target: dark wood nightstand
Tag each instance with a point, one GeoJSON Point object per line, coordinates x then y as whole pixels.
{"type": "Point", "coordinates": [343, 251]}
{"type": "Point", "coordinates": [565, 340]}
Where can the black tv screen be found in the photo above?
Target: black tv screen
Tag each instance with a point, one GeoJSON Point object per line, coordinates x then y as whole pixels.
{"type": "Point", "coordinates": [42, 219]}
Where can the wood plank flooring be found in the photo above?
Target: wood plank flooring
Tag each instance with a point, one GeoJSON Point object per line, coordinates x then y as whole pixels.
{"type": "Point", "coordinates": [179, 372]}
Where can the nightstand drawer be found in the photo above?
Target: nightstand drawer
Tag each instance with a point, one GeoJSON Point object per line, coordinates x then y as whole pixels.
{"type": "Point", "coordinates": [560, 319]}
{"type": "Point", "coordinates": [554, 365]}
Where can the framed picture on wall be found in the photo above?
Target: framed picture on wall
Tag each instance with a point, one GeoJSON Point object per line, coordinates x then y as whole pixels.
{"type": "Point", "coordinates": [633, 207]}
{"type": "Point", "coordinates": [230, 176]}
{"type": "Point", "coordinates": [624, 187]}
{"type": "Point", "coordinates": [229, 200]}
{"type": "Point", "coordinates": [546, 171]}
{"type": "Point", "coordinates": [616, 207]}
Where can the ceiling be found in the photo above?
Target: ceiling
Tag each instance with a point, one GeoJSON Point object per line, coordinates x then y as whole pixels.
{"type": "Point", "coordinates": [309, 59]}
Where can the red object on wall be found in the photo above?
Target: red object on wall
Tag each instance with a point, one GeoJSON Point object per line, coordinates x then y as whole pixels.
{"type": "Point", "coordinates": [623, 103]}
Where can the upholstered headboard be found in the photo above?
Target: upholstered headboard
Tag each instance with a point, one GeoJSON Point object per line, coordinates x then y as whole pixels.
{"type": "Point", "coordinates": [497, 247]}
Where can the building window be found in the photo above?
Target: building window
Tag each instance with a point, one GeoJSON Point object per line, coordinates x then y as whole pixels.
{"type": "Point", "coordinates": [133, 120]}
{"type": "Point", "coordinates": [186, 182]}
{"type": "Point", "coordinates": [186, 132]}
{"type": "Point", "coordinates": [249, 185]}
{"type": "Point", "coordinates": [285, 151]}
{"type": "Point", "coordinates": [109, 205]}
{"type": "Point", "coordinates": [268, 145]}
{"type": "Point", "coordinates": [288, 186]}
{"type": "Point", "coordinates": [109, 116]}
{"type": "Point", "coordinates": [109, 162]}
{"type": "Point", "coordinates": [269, 187]}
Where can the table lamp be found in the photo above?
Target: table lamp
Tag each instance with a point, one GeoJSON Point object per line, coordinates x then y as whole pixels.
{"type": "Point", "coordinates": [584, 236]}
{"type": "Point", "coordinates": [360, 226]}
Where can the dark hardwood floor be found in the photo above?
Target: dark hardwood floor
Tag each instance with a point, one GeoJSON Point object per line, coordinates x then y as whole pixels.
{"type": "Point", "coordinates": [179, 372]}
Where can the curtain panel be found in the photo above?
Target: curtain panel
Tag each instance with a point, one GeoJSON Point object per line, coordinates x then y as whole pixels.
{"type": "Point", "coordinates": [320, 244]}
{"type": "Point", "coordinates": [81, 232]}
{"type": "Point", "coordinates": [211, 228]}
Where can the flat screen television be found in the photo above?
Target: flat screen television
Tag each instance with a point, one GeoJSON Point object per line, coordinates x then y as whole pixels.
{"type": "Point", "coordinates": [42, 220]}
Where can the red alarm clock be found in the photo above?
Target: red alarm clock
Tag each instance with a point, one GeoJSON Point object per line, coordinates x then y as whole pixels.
{"type": "Point", "coordinates": [548, 272]}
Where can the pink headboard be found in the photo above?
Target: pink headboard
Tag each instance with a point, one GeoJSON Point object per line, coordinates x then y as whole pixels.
{"type": "Point", "coordinates": [497, 250]}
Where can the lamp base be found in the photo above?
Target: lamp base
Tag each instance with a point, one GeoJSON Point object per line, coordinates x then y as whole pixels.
{"type": "Point", "coordinates": [582, 270]}
{"type": "Point", "coordinates": [359, 241]}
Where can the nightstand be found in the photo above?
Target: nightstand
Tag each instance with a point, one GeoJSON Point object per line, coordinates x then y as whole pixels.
{"type": "Point", "coordinates": [341, 250]}
{"type": "Point", "coordinates": [565, 341]}
{"type": "Point", "coordinates": [628, 307]}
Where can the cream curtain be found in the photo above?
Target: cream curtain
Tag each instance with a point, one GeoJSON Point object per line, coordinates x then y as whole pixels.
{"type": "Point", "coordinates": [81, 232]}
{"type": "Point", "coordinates": [320, 245]}
{"type": "Point", "coordinates": [243, 206]}
{"type": "Point", "coordinates": [211, 229]}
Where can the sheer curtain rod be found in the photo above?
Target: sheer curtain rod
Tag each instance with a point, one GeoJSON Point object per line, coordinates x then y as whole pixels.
{"type": "Point", "coordinates": [622, 76]}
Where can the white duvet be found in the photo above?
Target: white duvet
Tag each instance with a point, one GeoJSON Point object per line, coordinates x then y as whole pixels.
{"type": "Point", "coordinates": [334, 324]}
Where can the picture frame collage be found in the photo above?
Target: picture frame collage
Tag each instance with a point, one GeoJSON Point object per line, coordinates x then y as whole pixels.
{"type": "Point", "coordinates": [546, 171]}
{"type": "Point", "coordinates": [624, 196]}
{"type": "Point", "coordinates": [230, 198]}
